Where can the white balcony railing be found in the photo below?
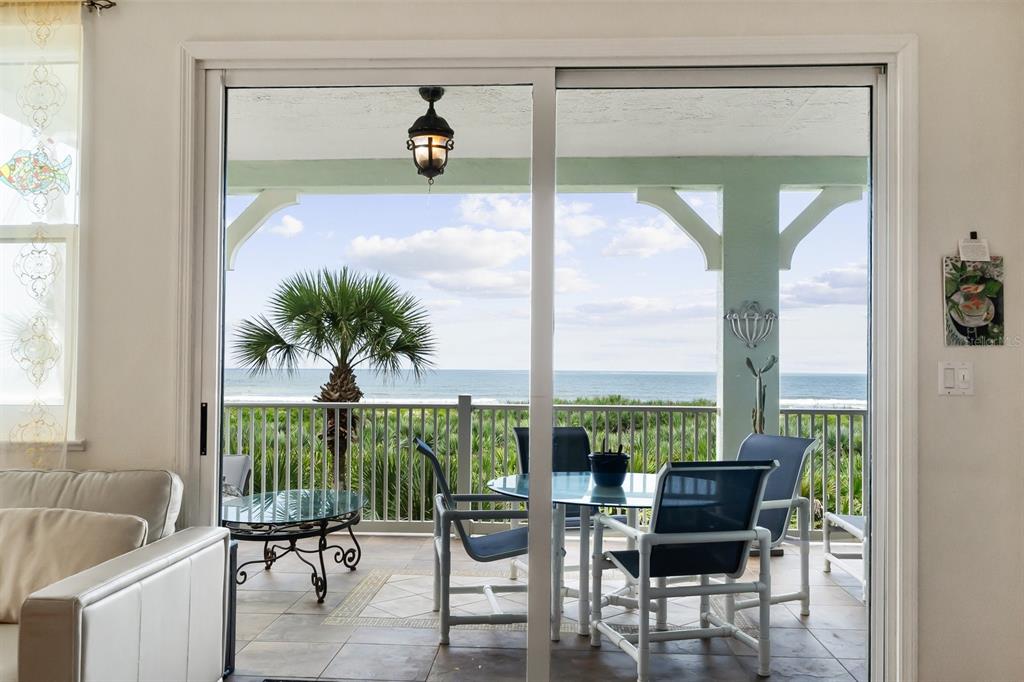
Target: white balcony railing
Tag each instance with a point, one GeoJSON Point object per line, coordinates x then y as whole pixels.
{"type": "Point", "coordinates": [304, 445]}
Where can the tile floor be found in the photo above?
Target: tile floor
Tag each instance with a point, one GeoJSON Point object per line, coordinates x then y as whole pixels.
{"type": "Point", "coordinates": [377, 624]}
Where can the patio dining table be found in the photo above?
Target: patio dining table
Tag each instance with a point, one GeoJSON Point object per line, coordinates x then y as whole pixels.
{"type": "Point", "coordinates": [578, 488]}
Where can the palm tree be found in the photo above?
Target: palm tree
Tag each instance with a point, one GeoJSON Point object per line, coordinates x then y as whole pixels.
{"type": "Point", "coordinates": [346, 319]}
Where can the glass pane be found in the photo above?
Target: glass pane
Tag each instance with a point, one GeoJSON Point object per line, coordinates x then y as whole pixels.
{"type": "Point", "coordinates": [377, 329]}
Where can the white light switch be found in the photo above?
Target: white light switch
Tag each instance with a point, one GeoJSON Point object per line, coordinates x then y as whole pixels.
{"type": "Point", "coordinates": [956, 378]}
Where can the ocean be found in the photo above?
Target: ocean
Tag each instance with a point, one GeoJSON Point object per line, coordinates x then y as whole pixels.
{"type": "Point", "coordinates": [512, 386]}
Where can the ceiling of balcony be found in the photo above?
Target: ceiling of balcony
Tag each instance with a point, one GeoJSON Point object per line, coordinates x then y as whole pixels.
{"type": "Point", "coordinates": [495, 122]}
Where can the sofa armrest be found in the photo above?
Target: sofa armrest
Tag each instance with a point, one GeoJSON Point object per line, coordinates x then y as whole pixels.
{"type": "Point", "coordinates": [154, 613]}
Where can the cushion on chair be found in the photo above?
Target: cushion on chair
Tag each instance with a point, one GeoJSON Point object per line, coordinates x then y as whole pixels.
{"type": "Point", "coordinates": [43, 546]}
{"type": "Point", "coordinates": [154, 495]}
{"type": "Point", "coordinates": [8, 652]}
{"type": "Point", "coordinates": [501, 545]}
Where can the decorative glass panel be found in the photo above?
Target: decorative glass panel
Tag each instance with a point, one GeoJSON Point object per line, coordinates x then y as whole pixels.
{"type": "Point", "coordinates": [40, 77]}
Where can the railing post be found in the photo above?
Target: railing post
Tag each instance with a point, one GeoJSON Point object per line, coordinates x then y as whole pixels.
{"type": "Point", "coordinates": [465, 449]}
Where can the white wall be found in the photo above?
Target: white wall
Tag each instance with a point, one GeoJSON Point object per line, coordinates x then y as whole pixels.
{"type": "Point", "coordinates": [972, 139]}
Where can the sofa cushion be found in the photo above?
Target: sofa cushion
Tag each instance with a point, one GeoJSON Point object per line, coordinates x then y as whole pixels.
{"type": "Point", "coordinates": [154, 495]}
{"type": "Point", "coordinates": [8, 652]}
{"type": "Point", "coordinates": [42, 546]}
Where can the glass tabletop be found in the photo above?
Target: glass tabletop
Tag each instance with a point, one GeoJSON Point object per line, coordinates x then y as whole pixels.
{"type": "Point", "coordinates": [578, 488]}
{"type": "Point", "coordinates": [290, 506]}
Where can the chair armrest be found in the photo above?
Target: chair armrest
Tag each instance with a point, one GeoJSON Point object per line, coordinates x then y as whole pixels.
{"type": "Point", "coordinates": [652, 539]}
{"type": "Point", "coordinates": [483, 514]}
{"type": "Point", "coordinates": [485, 497]}
{"type": "Point", "coordinates": [447, 515]}
{"type": "Point", "coordinates": [615, 524]}
{"type": "Point", "coordinates": [784, 504]}
{"type": "Point", "coordinates": [157, 611]}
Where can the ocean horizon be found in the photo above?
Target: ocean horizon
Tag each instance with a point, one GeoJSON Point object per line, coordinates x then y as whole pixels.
{"type": "Point", "coordinates": [512, 386]}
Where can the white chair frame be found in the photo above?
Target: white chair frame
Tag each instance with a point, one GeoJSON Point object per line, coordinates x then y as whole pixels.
{"type": "Point", "coordinates": [841, 559]}
{"type": "Point", "coordinates": [638, 645]}
{"type": "Point", "coordinates": [803, 542]}
{"type": "Point", "coordinates": [443, 589]}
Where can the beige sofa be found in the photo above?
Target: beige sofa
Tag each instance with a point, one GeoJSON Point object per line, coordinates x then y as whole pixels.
{"type": "Point", "coordinates": [153, 613]}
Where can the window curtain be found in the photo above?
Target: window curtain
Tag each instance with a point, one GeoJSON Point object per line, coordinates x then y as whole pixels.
{"type": "Point", "coordinates": [40, 94]}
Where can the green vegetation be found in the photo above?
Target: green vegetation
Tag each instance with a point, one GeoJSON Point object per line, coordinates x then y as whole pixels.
{"type": "Point", "coordinates": [288, 447]}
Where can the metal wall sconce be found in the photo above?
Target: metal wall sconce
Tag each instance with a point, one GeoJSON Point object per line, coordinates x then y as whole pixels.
{"type": "Point", "coordinates": [751, 325]}
{"type": "Point", "coordinates": [430, 138]}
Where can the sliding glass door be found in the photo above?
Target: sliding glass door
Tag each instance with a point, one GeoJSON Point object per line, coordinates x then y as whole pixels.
{"type": "Point", "coordinates": [358, 301]}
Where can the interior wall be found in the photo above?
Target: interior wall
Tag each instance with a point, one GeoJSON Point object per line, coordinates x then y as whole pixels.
{"type": "Point", "coordinates": [971, 144]}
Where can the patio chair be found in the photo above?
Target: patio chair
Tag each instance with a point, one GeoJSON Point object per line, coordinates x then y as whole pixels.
{"type": "Point", "coordinates": [234, 474]}
{"type": "Point", "coordinates": [703, 524]}
{"type": "Point", "coordinates": [781, 497]}
{"type": "Point", "coordinates": [485, 549]}
{"type": "Point", "coordinates": [855, 525]}
{"type": "Point", "coordinates": [570, 451]}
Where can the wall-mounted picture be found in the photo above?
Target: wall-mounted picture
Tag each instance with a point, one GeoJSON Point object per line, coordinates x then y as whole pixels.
{"type": "Point", "coordinates": [974, 301]}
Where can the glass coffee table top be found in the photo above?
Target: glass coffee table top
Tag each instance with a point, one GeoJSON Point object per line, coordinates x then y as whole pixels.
{"type": "Point", "coordinates": [290, 506]}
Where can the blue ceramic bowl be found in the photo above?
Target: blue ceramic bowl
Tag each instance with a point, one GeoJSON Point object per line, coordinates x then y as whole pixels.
{"type": "Point", "coordinates": [608, 468]}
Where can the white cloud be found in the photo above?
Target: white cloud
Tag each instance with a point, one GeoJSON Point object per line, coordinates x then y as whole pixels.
{"type": "Point", "coordinates": [501, 211]}
{"type": "Point", "coordinates": [631, 310]}
{"type": "Point", "coordinates": [439, 304]}
{"type": "Point", "coordinates": [450, 250]}
{"type": "Point", "coordinates": [513, 212]}
{"type": "Point", "coordinates": [837, 286]}
{"type": "Point", "coordinates": [575, 219]}
{"type": "Point", "coordinates": [647, 238]}
{"type": "Point", "coordinates": [289, 227]}
{"type": "Point", "coordinates": [571, 281]}
{"type": "Point", "coordinates": [504, 283]}
{"type": "Point", "coordinates": [466, 260]}
{"type": "Point", "coordinates": [482, 283]}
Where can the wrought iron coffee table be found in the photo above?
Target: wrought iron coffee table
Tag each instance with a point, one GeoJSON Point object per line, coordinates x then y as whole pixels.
{"type": "Point", "coordinates": [292, 515]}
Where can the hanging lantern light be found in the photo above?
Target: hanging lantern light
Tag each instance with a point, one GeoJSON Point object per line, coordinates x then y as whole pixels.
{"type": "Point", "coordinates": [430, 138]}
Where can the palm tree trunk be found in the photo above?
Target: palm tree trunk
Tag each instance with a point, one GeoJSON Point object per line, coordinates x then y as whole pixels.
{"type": "Point", "coordinates": [341, 387]}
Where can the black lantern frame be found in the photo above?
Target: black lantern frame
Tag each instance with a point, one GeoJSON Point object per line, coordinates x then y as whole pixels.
{"type": "Point", "coordinates": [430, 138]}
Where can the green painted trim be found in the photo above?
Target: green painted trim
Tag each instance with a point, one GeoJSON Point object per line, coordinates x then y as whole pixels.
{"type": "Point", "coordinates": [575, 175]}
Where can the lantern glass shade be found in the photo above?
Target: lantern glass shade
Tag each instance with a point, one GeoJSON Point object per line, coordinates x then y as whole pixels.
{"type": "Point", "coordinates": [430, 153]}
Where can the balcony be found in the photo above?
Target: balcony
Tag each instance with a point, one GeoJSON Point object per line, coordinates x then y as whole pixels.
{"type": "Point", "coordinates": [377, 622]}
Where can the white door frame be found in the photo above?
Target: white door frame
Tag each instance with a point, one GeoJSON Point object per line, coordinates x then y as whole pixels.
{"type": "Point", "coordinates": [894, 342]}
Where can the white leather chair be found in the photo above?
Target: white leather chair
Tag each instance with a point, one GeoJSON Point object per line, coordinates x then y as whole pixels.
{"type": "Point", "coordinates": [154, 613]}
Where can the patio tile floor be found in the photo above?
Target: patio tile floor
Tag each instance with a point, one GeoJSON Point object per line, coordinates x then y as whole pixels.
{"type": "Point", "coordinates": [283, 632]}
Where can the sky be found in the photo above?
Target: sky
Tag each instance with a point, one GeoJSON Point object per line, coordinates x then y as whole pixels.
{"type": "Point", "coordinates": [632, 292]}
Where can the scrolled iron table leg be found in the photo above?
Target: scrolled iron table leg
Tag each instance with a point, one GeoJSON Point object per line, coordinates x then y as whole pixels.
{"type": "Point", "coordinates": [291, 534]}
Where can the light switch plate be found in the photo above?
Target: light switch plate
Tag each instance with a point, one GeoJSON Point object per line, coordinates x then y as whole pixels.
{"type": "Point", "coordinates": [956, 378]}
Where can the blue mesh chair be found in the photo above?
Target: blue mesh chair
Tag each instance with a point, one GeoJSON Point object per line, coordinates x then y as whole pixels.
{"type": "Point", "coordinates": [570, 451]}
{"type": "Point", "coordinates": [781, 497]}
{"type": "Point", "coordinates": [485, 548]}
{"type": "Point", "coordinates": [703, 524]}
